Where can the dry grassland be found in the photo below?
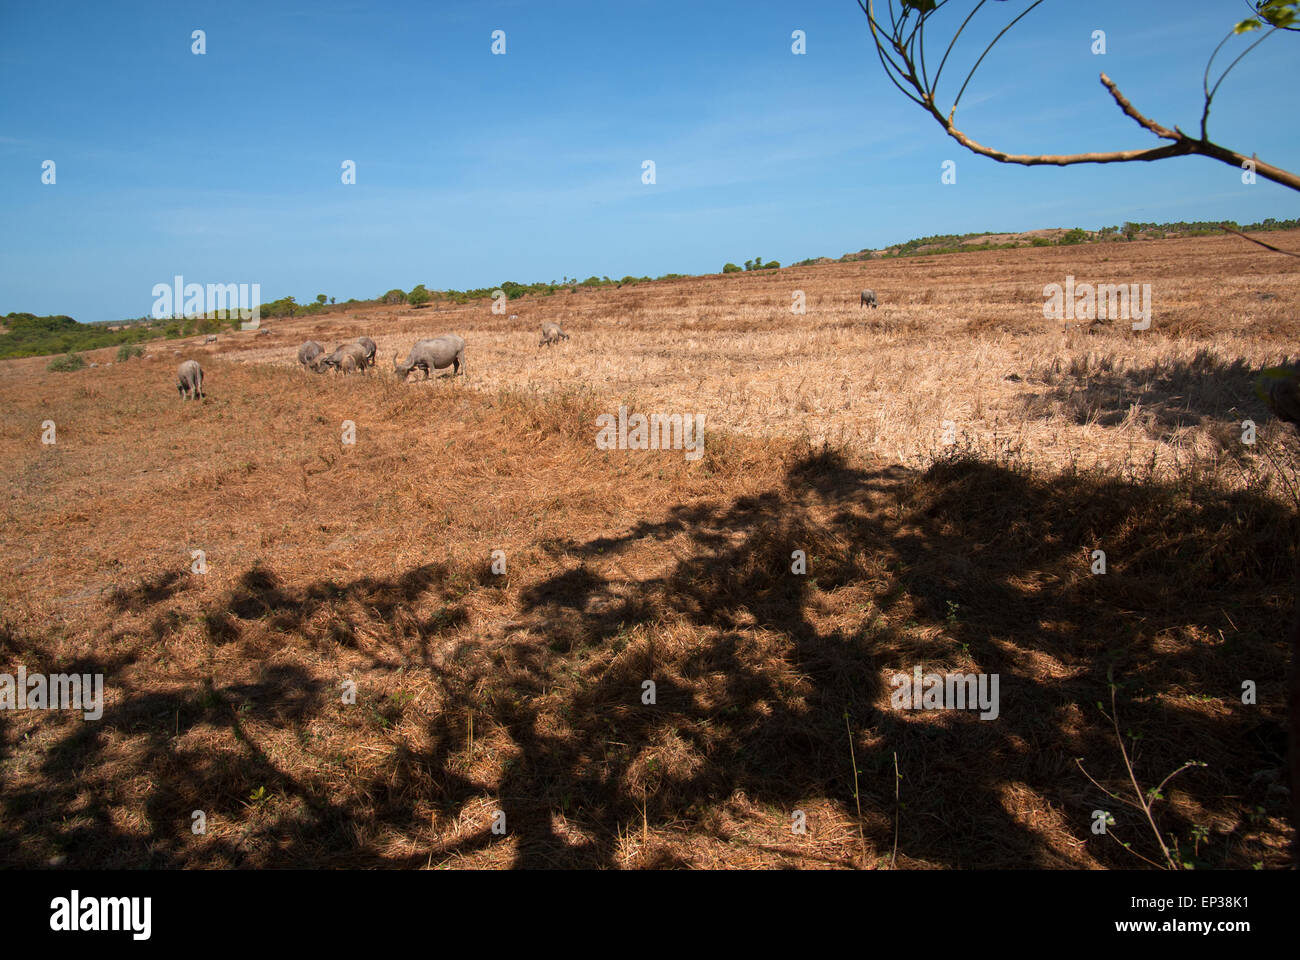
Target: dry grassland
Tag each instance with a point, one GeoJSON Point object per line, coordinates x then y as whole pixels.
{"type": "Point", "coordinates": [951, 332]}
{"type": "Point", "coordinates": [523, 692]}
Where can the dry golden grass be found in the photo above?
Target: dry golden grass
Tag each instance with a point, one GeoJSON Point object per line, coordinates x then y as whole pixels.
{"type": "Point", "coordinates": [950, 332]}
{"type": "Point", "coordinates": [522, 692]}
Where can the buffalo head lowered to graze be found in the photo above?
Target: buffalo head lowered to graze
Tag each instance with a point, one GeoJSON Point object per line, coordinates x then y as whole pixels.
{"type": "Point", "coordinates": [355, 351]}
{"type": "Point", "coordinates": [551, 333]}
{"type": "Point", "coordinates": [434, 354]}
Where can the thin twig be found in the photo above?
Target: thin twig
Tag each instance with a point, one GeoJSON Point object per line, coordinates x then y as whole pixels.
{"type": "Point", "coordinates": [1130, 849]}
{"type": "Point", "coordinates": [1143, 803]}
{"type": "Point", "coordinates": [856, 796]}
{"type": "Point", "coordinates": [952, 44]}
{"type": "Point", "coordinates": [1210, 96]}
{"type": "Point", "coordinates": [1146, 807]}
{"type": "Point", "coordinates": [893, 856]}
{"type": "Point", "coordinates": [986, 53]}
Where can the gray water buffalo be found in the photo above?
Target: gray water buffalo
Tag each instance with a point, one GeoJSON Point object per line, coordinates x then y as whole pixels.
{"type": "Point", "coordinates": [435, 354]}
{"type": "Point", "coordinates": [551, 333]}
{"type": "Point", "coordinates": [355, 351]}
{"type": "Point", "coordinates": [868, 297]}
{"type": "Point", "coordinates": [308, 352]}
{"type": "Point", "coordinates": [369, 346]}
{"type": "Point", "coordinates": [189, 380]}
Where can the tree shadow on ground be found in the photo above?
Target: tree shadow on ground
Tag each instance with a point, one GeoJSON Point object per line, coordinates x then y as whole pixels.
{"type": "Point", "coordinates": [763, 678]}
{"type": "Point", "coordinates": [1184, 392]}
{"type": "Point", "coordinates": [148, 592]}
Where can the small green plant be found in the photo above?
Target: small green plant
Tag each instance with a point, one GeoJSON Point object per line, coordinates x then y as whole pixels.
{"type": "Point", "coordinates": [66, 363]}
{"type": "Point", "coordinates": [128, 350]}
{"type": "Point", "coordinates": [1199, 835]}
{"type": "Point", "coordinates": [1145, 799]}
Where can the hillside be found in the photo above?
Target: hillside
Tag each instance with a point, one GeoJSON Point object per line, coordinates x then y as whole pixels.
{"type": "Point", "coordinates": [27, 335]}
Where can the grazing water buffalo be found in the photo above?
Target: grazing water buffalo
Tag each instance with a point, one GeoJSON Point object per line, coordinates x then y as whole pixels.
{"type": "Point", "coordinates": [355, 351]}
{"type": "Point", "coordinates": [369, 346]}
{"type": "Point", "coordinates": [435, 354]}
{"type": "Point", "coordinates": [189, 380]}
{"type": "Point", "coordinates": [868, 297]}
{"type": "Point", "coordinates": [551, 333]}
{"type": "Point", "coordinates": [308, 352]}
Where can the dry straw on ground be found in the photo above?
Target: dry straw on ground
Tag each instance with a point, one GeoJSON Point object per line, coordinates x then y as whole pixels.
{"type": "Point", "coordinates": [523, 692]}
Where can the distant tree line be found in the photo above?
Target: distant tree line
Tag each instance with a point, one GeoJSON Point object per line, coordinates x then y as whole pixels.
{"type": "Point", "coordinates": [28, 335]}
{"type": "Point", "coordinates": [420, 295]}
{"type": "Point", "coordinates": [755, 264]}
{"type": "Point", "coordinates": [960, 242]}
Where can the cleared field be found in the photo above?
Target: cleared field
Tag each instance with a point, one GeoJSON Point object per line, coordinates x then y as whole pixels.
{"type": "Point", "coordinates": [958, 338]}
{"type": "Point", "coordinates": [522, 692]}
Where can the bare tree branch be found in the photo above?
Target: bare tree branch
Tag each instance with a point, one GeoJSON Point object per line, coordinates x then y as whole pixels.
{"type": "Point", "coordinates": [1268, 246]}
{"type": "Point", "coordinates": [899, 40]}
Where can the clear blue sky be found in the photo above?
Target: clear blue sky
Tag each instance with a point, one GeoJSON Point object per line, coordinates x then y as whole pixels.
{"type": "Point", "coordinates": [473, 168]}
